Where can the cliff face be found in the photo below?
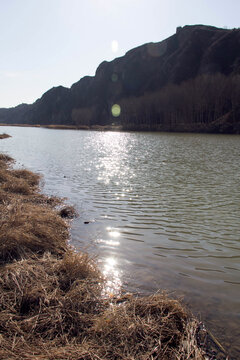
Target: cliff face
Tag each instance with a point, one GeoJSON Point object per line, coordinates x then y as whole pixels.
{"type": "Point", "coordinates": [190, 53]}
{"type": "Point", "coordinates": [16, 114]}
{"type": "Point", "coordinates": [54, 107]}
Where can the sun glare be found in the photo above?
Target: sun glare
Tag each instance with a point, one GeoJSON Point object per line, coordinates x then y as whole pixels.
{"type": "Point", "coordinates": [115, 46]}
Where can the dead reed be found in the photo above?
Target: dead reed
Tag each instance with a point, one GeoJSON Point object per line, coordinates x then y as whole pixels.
{"type": "Point", "coordinates": [51, 302]}
{"type": "Point", "coordinates": [28, 228]}
{"type": "Point", "coordinates": [5, 158]}
{"type": "Point", "coordinates": [61, 127]}
{"type": "Point", "coordinates": [4, 136]}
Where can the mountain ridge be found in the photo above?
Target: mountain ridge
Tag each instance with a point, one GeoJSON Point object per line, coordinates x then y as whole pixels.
{"type": "Point", "coordinates": [193, 51]}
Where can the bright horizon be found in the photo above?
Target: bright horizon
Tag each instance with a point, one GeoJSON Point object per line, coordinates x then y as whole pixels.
{"type": "Point", "coordinates": [51, 43]}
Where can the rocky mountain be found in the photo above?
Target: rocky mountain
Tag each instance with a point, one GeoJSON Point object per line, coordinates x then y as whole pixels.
{"type": "Point", "coordinates": [151, 71]}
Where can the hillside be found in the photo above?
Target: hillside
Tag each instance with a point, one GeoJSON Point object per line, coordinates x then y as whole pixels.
{"type": "Point", "coordinates": [188, 82]}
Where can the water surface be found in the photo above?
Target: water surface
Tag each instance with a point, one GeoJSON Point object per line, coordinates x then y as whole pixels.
{"type": "Point", "coordinates": [163, 210]}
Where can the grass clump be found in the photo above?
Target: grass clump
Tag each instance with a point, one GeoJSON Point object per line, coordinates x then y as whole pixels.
{"type": "Point", "coordinates": [27, 228]}
{"type": "Point", "coordinates": [46, 300]}
{"type": "Point", "coordinates": [17, 186]}
{"type": "Point", "coordinates": [4, 136]}
{"type": "Point", "coordinates": [31, 178]}
{"type": "Point", "coordinates": [143, 328]}
{"type": "Point", "coordinates": [61, 127]}
{"type": "Point", "coordinates": [5, 158]}
{"type": "Point", "coordinates": [21, 182]}
{"type": "Point", "coordinates": [53, 309]}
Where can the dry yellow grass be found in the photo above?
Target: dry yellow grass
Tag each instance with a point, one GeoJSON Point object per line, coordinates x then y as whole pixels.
{"type": "Point", "coordinates": [4, 136]}
{"type": "Point", "coordinates": [48, 297]}
{"type": "Point", "coordinates": [48, 304]}
{"type": "Point", "coordinates": [20, 125]}
{"type": "Point", "coordinates": [144, 328]}
{"type": "Point", "coordinates": [28, 228]}
{"type": "Point", "coordinates": [5, 158]}
{"type": "Point", "coordinates": [18, 181]}
{"type": "Point", "coordinates": [51, 298]}
{"type": "Point", "coordinates": [60, 127]}
{"type": "Point", "coordinates": [31, 178]}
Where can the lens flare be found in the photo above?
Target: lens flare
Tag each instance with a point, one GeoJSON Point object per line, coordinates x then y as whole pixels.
{"type": "Point", "coordinates": [115, 46]}
{"type": "Point", "coordinates": [116, 110]}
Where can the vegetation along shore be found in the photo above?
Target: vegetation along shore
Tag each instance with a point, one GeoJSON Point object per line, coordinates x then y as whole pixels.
{"type": "Point", "coordinates": [52, 299]}
{"type": "Point", "coordinates": [71, 127]}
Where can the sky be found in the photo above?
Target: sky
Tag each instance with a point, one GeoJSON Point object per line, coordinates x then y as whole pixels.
{"type": "Point", "coordinates": [46, 43]}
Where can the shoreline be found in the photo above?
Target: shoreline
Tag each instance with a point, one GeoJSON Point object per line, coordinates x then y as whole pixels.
{"type": "Point", "coordinates": [71, 127]}
{"type": "Point", "coordinates": [52, 297]}
{"type": "Point", "coordinates": [120, 128]}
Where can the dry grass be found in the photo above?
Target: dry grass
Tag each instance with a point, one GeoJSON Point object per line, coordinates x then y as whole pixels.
{"type": "Point", "coordinates": [21, 182]}
{"type": "Point", "coordinates": [142, 328]}
{"type": "Point", "coordinates": [106, 128]}
{"type": "Point", "coordinates": [60, 127]}
{"type": "Point", "coordinates": [5, 158]}
{"type": "Point", "coordinates": [17, 186]}
{"type": "Point", "coordinates": [20, 125]}
{"type": "Point", "coordinates": [51, 298]}
{"type": "Point", "coordinates": [48, 297]}
{"type": "Point", "coordinates": [52, 309]}
{"type": "Point", "coordinates": [28, 224]}
{"type": "Point", "coordinates": [31, 178]}
{"type": "Point", "coordinates": [48, 301]}
{"type": "Point", "coordinates": [83, 127]}
{"type": "Point", "coordinates": [4, 136]}
{"type": "Point", "coordinates": [28, 228]}
{"type": "Point", "coordinates": [43, 200]}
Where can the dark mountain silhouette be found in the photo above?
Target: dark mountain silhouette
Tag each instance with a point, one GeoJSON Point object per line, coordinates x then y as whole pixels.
{"type": "Point", "coordinates": [188, 82]}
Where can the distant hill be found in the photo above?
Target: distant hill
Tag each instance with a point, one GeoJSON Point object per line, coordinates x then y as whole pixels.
{"type": "Point", "coordinates": [188, 82]}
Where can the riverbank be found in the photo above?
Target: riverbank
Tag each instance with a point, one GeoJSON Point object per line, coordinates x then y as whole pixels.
{"type": "Point", "coordinates": [71, 127]}
{"type": "Point", "coordinates": [52, 303]}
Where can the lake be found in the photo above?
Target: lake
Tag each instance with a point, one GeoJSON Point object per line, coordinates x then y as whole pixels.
{"type": "Point", "coordinates": [159, 210]}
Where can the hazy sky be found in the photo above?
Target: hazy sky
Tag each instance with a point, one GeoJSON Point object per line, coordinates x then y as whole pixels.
{"type": "Point", "coordinates": [46, 43]}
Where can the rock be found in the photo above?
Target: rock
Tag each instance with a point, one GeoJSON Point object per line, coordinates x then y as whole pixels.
{"type": "Point", "coordinates": [68, 212]}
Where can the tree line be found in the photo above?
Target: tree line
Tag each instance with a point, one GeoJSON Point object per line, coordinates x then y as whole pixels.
{"type": "Point", "coordinates": [196, 104]}
{"type": "Point", "coordinates": [205, 103]}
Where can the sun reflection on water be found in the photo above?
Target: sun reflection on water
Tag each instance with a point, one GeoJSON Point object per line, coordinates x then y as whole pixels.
{"type": "Point", "coordinates": [112, 166]}
{"type": "Point", "coordinates": [110, 264]}
{"type": "Point", "coordinates": [113, 233]}
{"type": "Point", "coordinates": [113, 277]}
{"type": "Point", "coordinates": [108, 242]}
{"type": "Point", "coordinates": [113, 172]}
